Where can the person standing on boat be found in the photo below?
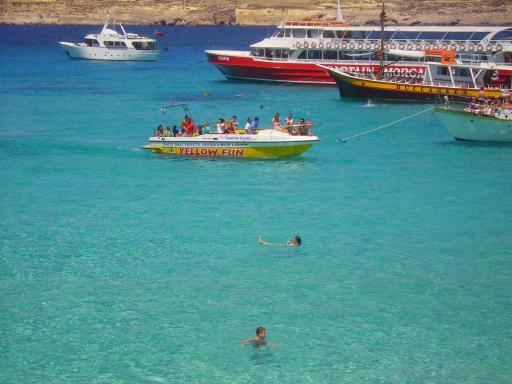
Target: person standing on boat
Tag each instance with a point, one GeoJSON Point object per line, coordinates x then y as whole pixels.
{"type": "Point", "coordinates": [276, 121]}
{"type": "Point", "coordinates": [175, 131]}
{"type": "Point", "coordinates": [289, 119]}
{"type": "Point", "coordinates": [234, 120]}
{"type": "Point", "coordinates": [220, 126]}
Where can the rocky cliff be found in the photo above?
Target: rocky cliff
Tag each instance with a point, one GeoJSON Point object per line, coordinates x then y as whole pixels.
{"type": "Point", "coordinates": [251, 12]}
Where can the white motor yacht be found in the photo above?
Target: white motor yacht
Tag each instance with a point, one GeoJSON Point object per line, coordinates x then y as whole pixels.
{"type": "Point", "coordinates": [110, 44]}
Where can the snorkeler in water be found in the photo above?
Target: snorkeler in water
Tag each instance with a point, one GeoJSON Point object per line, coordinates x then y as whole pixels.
{"type": "Point", "coordinates": [258, 340]}
{"type": "Point", "coordinates": [295, 242]}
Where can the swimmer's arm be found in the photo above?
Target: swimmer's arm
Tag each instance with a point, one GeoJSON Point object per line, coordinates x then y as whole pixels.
{"type": "Point", "coordinates": [263, 242]}
{"type": "Point", "coordinates": [247, 341]}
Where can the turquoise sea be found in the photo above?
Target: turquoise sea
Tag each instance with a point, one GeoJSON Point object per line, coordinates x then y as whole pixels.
{"type": "Point", "coordinates": [118, 265]}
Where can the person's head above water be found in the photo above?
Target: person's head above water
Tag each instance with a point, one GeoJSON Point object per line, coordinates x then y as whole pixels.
{"type": "Point", "coordinates": [297, 240]}
{"type": "Point", "coordinates": [261, 332]}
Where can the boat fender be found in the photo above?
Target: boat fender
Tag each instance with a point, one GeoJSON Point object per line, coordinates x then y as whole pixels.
{"type": "Point", "coordinates": [297, 44]}
{"type": "Point", "coordinates": [305, 44]}
{"type": "Point", "coordinates": [409, 47]}
{"type": "Point", "coordinates": [499, 48]}
{"type": "Point", "coordinates": [471, 47]}
{"type": "Point", "coordinates": [368, 46]}
{"type": "Point", "coordinates": [462, 47]}
{"type": "Point", "coordinates": [480, 47]}
{"type": "Point", "coordinates": [320, 45]}
{"type": "Point", "coordinates": [337, 45]}
{"type": "Point", "coordinates": [401, 46]}
{"type": "Point", "coordinates": [386, 45]}
{"type": "Point", "coordinates": [352, 46]}
{"type": "Point", "coordinates": [376, 46]}
{"type": "Point", "coordinates": [489, 48]}
{"type": "Point", "coordinates": [360, 46]}
{"type": "Point", "coordinates": [436, 47]}
{"type": "Point", "coordinates": [427, 47]}
{"type": "Point", "coordinates": [453, 47]}
{"type": "Point", "coordinates": [418, 47]}
{"type": "Point", "coordinates": [328, 45]}
{"type": "Point", "coordinates": [444, 47]}
{"type": "Point", "coordinates": [313, 44]}
{"type": "Point", "coordinates": [393, 46]}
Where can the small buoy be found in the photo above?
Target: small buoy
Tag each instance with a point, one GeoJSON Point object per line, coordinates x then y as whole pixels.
{"type": "Point", "coordinates": [206, 94]}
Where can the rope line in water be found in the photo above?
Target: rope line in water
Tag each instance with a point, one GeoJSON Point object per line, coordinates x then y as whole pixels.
{"type": "Point", "coordinates": [384, 126]}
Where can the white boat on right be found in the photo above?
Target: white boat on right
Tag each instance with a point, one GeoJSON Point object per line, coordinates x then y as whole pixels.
{"type": "Point", "coordinates": [477, 122]}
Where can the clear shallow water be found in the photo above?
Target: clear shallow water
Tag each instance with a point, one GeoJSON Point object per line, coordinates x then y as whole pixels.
{"type": "Point", "coordinates": [121, 266]}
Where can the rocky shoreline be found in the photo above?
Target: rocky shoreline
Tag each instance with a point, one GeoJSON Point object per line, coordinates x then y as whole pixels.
{"type": "Point", "coordinates": [239, 12]}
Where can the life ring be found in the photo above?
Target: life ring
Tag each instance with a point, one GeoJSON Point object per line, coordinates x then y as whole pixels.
{"type": "Point", "coordinates": [480, 47]}
{"type": "Point", "coordinates": [360, 46]}
{"type": "Point", "coordinates": [386, 46]}
{"type": "Point", "coordinates": [444, 47]}
{"type": "Point", "coordinates": [306, 44]}
{"type": "Point", "coordinates": [313, 44]}
{"type": "Point", "coordinates": [436, 47]}
{"type": "Point", "coordinates": [499, 48]}
{"type": "Point", "coordinates": [409, 47]}
{"type": "Point", "coordinates": [462, 47]}
{"type": "Point", "coordinates": [328, 45]}
{"type": "Point", "coordinates": [471, 47]}
{"type": "Point", "coordinates": [368, 46]}
{"type": "Point", "coordinates": [489, 48]}
{"type": "Point", "coordinates": [453, 47]}
{"type": "Point", "coordinates": [297, 44]}
{"type": "Point", "coordinates": [427, 47]}
{"type": "Point", "coordinates": [401, 46]}
{"type": "Point", "coordinates": [392, 46]}
{"type": "Point", "coordinates": [376, 46]}
{"type": "Point", "coordinates": [418, 47]}
{"type": "Point", "coordinates": [321, 45]}
{"type": "Point", "coordinates": [337, 45]}
{"type": "Point", "coordinates": [352, 46]}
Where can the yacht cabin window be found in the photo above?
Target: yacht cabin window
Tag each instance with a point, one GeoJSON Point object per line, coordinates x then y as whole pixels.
{"type": "Point", "coordinates": [92, 43]}
{"type": "Point", "coordinates": [287, 33]}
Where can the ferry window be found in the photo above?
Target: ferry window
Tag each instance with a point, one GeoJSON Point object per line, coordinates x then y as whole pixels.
{"type": "Point", "coordinates": [300, 33]}
{"type": "Point", "coordinates": [462, 72]}
{"type": "Point", "coordinates": [478, 35]}
{"type": "Point", "coordinates": [330, 55]}
{"type": "Point", "coordinates": [503, 35]}
{"type": "Point", "coordinates": [303, 55]}
{"type": "Point", "coordinates": [431, 35]}
{"type": "Point", "coordinates": [442, 71]}
{"type": "Point", "coordinates": [344, 56]}
{"type": "Point", "coordinates": [343, 34]}
{"type": "Point", "coordinates": [374, 35]}
{"type": "Point", "coordinates": [458, 36]}
{"type": "Point", "coordinates": [257, 52]}
{"type": "Point", "coordinates": [109, 43]}
{"type": "Point", "coordinates": [328, 34]}
{"type": "Point", "coordinates": [313, 33]}
{"type": "Point", "coordinates": [406, 35]}
{"type": "Point", "coordinates": [287, 33]}
{"type": "Point", "coordinates": [358, 34]}
{"type": "Point", "coordinates": [315, 54]}
{"type": "Point", "coordinates": [388, 35]}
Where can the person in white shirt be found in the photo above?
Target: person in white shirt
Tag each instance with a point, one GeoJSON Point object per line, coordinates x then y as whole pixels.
{"type": "Point", "coordinates": [248, 126]}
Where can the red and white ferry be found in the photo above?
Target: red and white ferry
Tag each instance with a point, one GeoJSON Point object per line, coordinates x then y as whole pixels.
{"type": "Point", "coordinates": [292, 53]}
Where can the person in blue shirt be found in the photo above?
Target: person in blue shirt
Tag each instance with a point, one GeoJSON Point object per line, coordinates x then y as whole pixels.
{"type": "Point", "coordinates": [255, 124]}
{"type": "Point", "coordinates": [206, 127]}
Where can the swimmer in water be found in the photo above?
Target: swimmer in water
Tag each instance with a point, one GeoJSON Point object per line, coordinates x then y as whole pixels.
{"type": "Point", "coordinates": [295, 242]}
{"type": "Point", "coordinates": [257, 341]}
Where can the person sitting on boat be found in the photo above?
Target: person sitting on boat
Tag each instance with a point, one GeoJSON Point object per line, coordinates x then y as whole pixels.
{"type": "Point", "coordinates": [234, 120]}
{"type": "Point", "coordinates": [255, 124]}
{"type": "Point", "coordinates": [198, 131]}
{"type": "Point", "coordinates": [167, 132]}
{"type": "Point", "coordinates": [276, 121]}
{"type": "Point", "coordinates": [188, 125]}
{"type": "Point", "coordinates": [248, 126]}
{"type": "Point", "coordinates": [220, 126]}
{"type": "Point", "coordinates": [175, 131]}
{"type": "Point", "coordinates": [505, 95]}
{"type": "Point", "coordinates": [206, 128]}
{"type": "Point", "coordinates": [229, 128]}
{"type": "Point", "coordinates": [481, 95]}
{"type": "Point", "coordinates": [159, 131]}
{"type": "Point", "coordinates": [289, 119]}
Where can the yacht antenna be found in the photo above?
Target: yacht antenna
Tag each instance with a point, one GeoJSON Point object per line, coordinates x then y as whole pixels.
{"type": "Point", "coordinates": [339, 16]}
{"type": "Point", "coordinates": [381, 52]}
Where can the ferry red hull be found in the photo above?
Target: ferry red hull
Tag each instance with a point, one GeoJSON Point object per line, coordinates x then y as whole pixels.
{"type": "Point", "coordinates": [246, 68]}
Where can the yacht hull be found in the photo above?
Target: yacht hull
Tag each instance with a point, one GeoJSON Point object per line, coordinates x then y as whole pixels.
{"type": "Point", "coordinates": [466, 126]}
{"type": "Point", "coordinates": [76, 51]}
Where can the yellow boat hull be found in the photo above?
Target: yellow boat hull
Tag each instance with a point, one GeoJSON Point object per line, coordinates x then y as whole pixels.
{"type": "Point", "coordinates": [272, 151]}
